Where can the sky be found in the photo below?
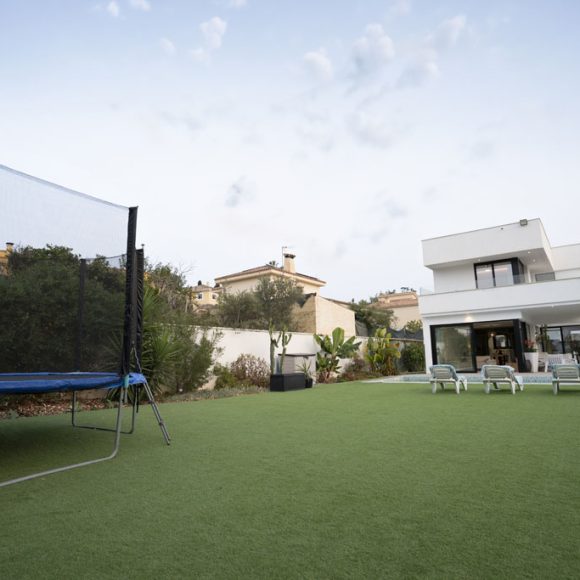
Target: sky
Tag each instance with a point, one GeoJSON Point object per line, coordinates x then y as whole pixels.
{"type": "Point", "coordinates": [345, 130]}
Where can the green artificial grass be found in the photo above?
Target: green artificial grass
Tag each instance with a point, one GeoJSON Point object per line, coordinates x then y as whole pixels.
{"type": "Point", "coordinates": [342, 481]}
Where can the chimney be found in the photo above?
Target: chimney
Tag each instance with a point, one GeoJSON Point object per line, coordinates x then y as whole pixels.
{"type": "Point", "coordinates": [289, 265]}
{"type": "Point", "coordinates": [9, 247]}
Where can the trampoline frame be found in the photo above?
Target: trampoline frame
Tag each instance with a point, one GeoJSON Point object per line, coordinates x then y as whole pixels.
{"type": "Point", "coordinates": [132, 343]}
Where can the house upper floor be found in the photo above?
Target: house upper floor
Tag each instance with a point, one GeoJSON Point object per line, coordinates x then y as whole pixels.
{"type": "Point", "coordinates": [506, 255]}
{"type": "Point", "coordinates": [247, 280]}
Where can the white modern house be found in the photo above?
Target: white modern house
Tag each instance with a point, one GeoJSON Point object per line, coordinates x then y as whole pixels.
{"type": "Point", "coordinates": [494, 289]}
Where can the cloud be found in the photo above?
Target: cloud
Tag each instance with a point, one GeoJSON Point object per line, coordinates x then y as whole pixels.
{"type": "Point", "coordinates": [113, 9]}
{"type": "Point", "coordinates": [186, 121]}
{"type": "Point", "coordinates": [240, 192]}
{"type": "Point", "coordinates": [199, 55]}
{"type": "Point", "coordinates": [140, 5]}
{"type": "Point", "coordinates": [447, 33]}
{"type": "Point", "coordinates": [425, 66]}
{"type": "Point", "coordinates": [317, 131]}
{"type": "Point", "coordinates": [371, 130]}
{"type": "Point", "coordinates": [430, 193]}
{"type": "Point", "coordinates": [419, 72]}
{"type": "Point", "coordinates": [483, 149]}
{"type": "Point", "coordinates": [238, 3]}
{"type": "Point", "coordinates": [213, 32]}
{"type": "Point", "coordinates": [401, 7]}
{"type": "Point", "coordinates": [373, 50]}
{"type": "Point", "coordinates": [318, 64]}
{"type": "Point", "coordinates": [394, 209]}
{"type": "Point", "coordinates": [167, 46]}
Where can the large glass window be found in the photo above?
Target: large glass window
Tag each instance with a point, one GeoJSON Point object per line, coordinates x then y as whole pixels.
{"type": "Point", "coordinates": [556, 346]}
{"type": "Point", "coordinates": [484, 275]}
{"type": "Point", "coordinates": [571, 336]}
{"type": "Point", "coordinates": [503, 274]}
{"type": "Point", "coordinates": [453, 346]}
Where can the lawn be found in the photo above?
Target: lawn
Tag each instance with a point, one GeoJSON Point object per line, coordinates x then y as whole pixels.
{"type": "Point", "coordinates": [343, 481]}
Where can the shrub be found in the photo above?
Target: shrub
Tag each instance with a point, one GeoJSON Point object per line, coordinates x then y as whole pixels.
{"type": "Point", "coordinates": [225, 379]}
{"type": "Point", "coordinates": [413, 357]}
{"type": "Point", "coordinates": [381, 353]}
{"type": "Point", "coordinates": [357, 369]}
{"type": "Point", "coordinates": [197, 352]}
{"type": "Point", "coordinates": [250, 369]}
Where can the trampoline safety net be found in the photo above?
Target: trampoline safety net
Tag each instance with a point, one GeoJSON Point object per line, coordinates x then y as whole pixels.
{"type": "Point", "coordinates": [67, 281]}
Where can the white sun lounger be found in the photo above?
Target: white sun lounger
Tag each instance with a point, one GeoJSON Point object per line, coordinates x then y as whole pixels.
{"type": "Point", "coordinates": [569, 374]}
{"type": "Point", "coordinates": [441, 374]}
{"type": "Point", "coordinates": [497, 375]}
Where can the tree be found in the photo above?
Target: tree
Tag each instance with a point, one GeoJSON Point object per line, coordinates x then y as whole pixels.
{"type": "Point", "coordinates": [413, 357]}
{"type": "Point", "coordinates": [39, 316]}
{"type": "Point", "coordinates": [372, 315]}
{"type": "Point", "coordinates": [238, 310]}
{"type": "Point", "coordinates": [276, 299]}
{"type": "Point", "coordinates": [170, 283]}
{"type": "Point", "coordinates": [414, 326]}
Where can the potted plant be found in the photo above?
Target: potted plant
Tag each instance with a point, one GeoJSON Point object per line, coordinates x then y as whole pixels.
{"type": "Point", "coordinates": [305, 369]}
{"type": "Point", "coordinates": [281, 381]}
{"type": "Point", "coordinates": [531, 354]}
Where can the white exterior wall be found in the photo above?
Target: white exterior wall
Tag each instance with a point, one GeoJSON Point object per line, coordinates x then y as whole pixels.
{"type": "Point", "coordinates": [235, 342]}
{"type": "Point", "coordinates": [240, 285]}
{"type": "Point", "coordinates": [566, 257]}
{"type": "Point", "coordinates": [454, 278]}
{"type": "Point", "coordinates": [503, 298]}
{"type": "Point", "coordinates": [500, 241]}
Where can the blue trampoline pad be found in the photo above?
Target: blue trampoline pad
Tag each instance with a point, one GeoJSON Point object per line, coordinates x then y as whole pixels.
{"type": "Point", "coordinates": [30, 383]}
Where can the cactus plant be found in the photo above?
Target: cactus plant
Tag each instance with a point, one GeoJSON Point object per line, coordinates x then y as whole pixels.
{"type": "Point", "coordinates": [284, 337]}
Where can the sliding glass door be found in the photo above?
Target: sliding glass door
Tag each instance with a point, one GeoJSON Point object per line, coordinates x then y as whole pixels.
{"type": "Point", "coordinates": [454, 345]}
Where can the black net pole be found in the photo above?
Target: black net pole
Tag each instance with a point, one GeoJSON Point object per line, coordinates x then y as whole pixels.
{"type": "Point", "coordinates": [81, 314]}
{"type": "Point", "coordinates": [129, 292]}
{"type": "Point", "coordinates": [140, 271]}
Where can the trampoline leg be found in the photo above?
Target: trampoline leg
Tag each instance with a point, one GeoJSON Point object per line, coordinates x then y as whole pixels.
{"type": "Point", "coordinates": [155, 408]}
{"type": "Point", "coordinates": [94, 427]}
{"type": "Point", "coordinates": [122, 396]}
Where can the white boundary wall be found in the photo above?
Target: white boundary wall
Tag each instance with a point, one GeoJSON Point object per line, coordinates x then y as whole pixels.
{"type": "Point", "coordinates": [234, 342]}
{"type": "Point", "coordinates": [237, 341]}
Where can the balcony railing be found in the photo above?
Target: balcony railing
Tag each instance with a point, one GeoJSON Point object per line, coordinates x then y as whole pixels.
{"type": "Point", "coordinates": [500, 283]}
{"type": "Point", "coordinates": [517, 279]}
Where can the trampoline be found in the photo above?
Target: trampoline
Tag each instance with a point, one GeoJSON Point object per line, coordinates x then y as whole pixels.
{"type": "Point", "coordinates": [71, 316]}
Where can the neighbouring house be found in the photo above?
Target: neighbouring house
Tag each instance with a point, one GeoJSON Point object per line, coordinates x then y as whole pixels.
{"type": "Point", "coordinates": [495, 289]}
{"type": "Point", "coordinates": [204, 295]}
{"type": "Point", "coordinates": [4, 254]}
{"type": "Point", "coordinates": [317, 314]}
{"type": "Point", "coordinates": [405, 307]}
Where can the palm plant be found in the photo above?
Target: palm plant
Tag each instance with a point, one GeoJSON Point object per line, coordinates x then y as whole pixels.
{"type": "Point", "coordinates": [332, 349]}
{"type": "Point", "coordinates": [381, 353]}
